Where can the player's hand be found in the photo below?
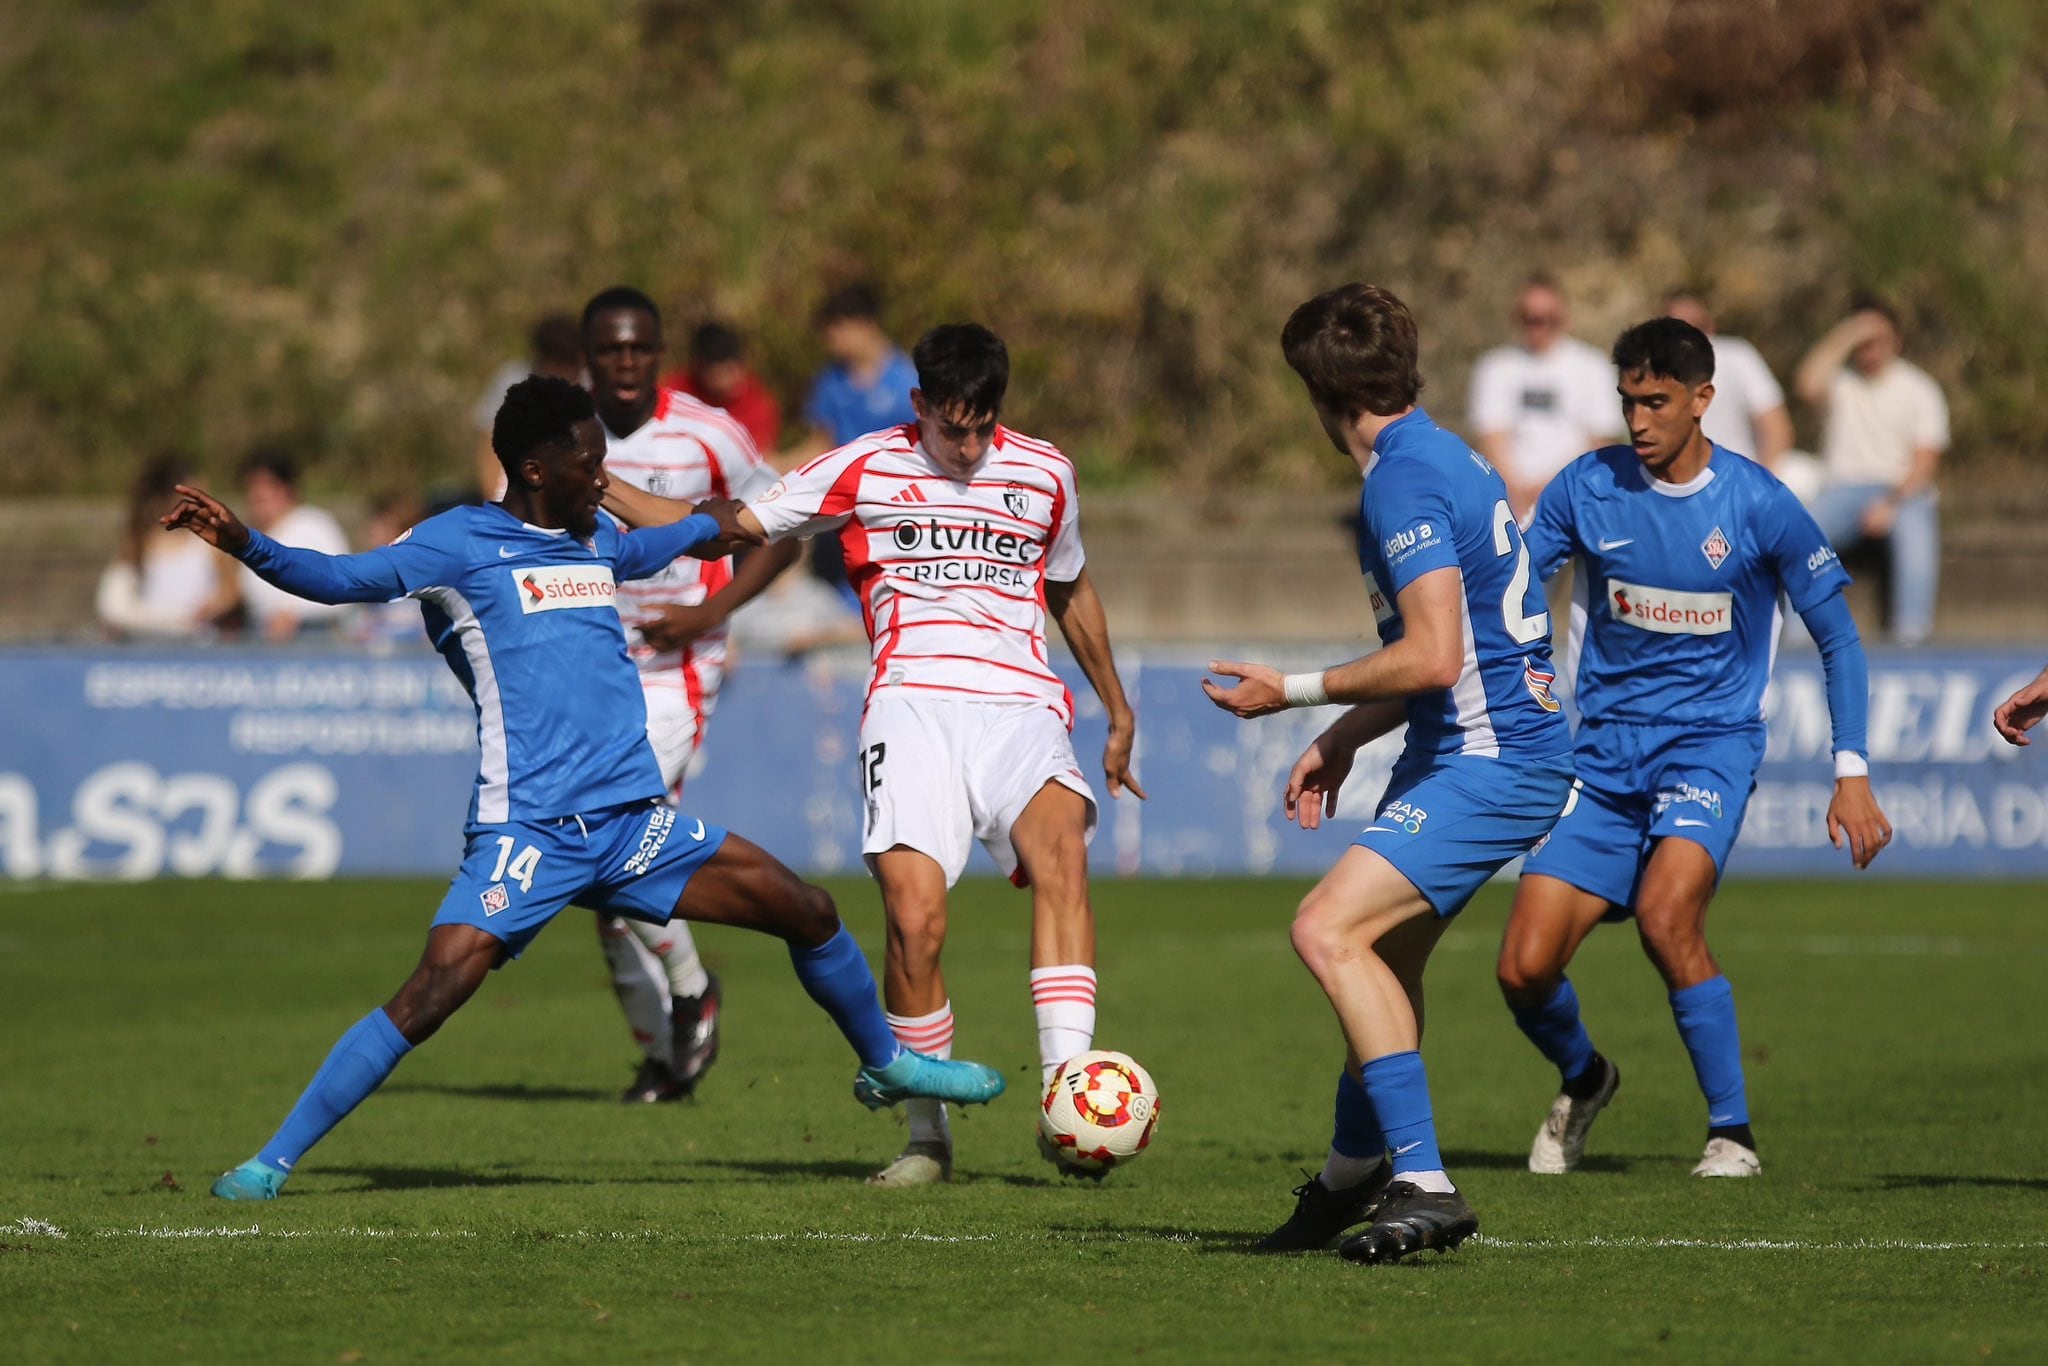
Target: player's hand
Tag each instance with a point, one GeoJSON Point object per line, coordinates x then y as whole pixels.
{"type": "Point", "coordinates": [672, 628]}
{"type": "Point", "coordinates": [1879, 518]}
{"type": "Point", "coordinates": [1855, 822]}
{"type": "Point", "coordinates": [1116, 756]}
{"type": "Point", "coordinates": [1259, 691]}
{"type": "Point", "coordinates": [206, 517]}
{"type": "Point", "coordinates": [731, 534]}
{"type": "Point", "coordinates": [1312, 786]}
{"type": "Point", "coordinates": [2022, 711]}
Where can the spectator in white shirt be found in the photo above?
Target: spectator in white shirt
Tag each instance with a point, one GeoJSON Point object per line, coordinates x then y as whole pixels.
{"type": "Point", "coordinates": [1540, 404]}
{"type": "Point", "coordinates": [1748, 412]}
{"type": "Point", "coordinates": [270, 503]}
{"type": "Point", "coordinates": [1887, 426]}
{"type": "Point", "coordinates": [161, 587]}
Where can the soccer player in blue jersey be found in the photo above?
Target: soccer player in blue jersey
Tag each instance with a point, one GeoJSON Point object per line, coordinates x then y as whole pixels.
{"type": "Point", "coordinates": [1683, 549]}
{"type": "Point", "coordinates": [518, 596]}
{"type": "Point", "coordinates": [1465, 662]}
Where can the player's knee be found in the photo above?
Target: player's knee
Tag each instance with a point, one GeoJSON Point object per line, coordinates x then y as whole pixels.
{"type": "Point", "coordinates": [817, 915]}
{"type": "Point", "coordinates": [1525, 975]}
{"type": "Point", "coordinates": [1672, 941]}
{"type": "Point", "coordinates": [919, 929]}
{"type": "Point", "coordinates": [1314, 933]}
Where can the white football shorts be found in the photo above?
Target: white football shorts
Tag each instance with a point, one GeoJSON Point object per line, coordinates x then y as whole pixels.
{"type": "Point", "coordinates": [675, 722]}
{"type": "Point", "coordinates": [938, 774]}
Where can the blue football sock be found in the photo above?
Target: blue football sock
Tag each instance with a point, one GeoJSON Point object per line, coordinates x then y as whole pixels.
{"type": "Point", "coordinates": [1398, 1089]}
{"type": "Point", "coordinates": [361, 1060]}
{"type": "Point", "coordinates": [1706, 1021]}
{"type": "Point", "coordinates": [1555, 1030]}
{"type": "Point", "coordinates": [836, 975]}
{"type": "Point", "coordinates": [1357, 1131]}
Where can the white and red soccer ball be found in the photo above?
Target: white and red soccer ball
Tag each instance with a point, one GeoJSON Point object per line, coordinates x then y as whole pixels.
{"type": "Point", "coordinates": [1099, 1110]}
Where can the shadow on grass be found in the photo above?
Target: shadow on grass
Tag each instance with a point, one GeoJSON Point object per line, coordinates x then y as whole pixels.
{"type": "Point", "coordinates": [1903, 1181]}
{"type": "Point", "coordinates": [428, 1178]}
{"type": "Point", "coordinates": [778, 1170]}
{"type": "Point", "coordinates": [501, 1091]}
{"type": "Point", "coordinates": [1457, 1158]}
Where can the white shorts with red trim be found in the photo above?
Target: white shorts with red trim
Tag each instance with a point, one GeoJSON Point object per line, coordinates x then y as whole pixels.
{"type": "Point", "coordinates": [939, 774]}
{"type": "Point", "coordinates": [679, 703]}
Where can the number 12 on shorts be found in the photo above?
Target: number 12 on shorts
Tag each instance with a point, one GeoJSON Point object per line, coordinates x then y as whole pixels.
{"type": "Point", "coordinates": [519, 868]}
{"type": "Point", "coordinates": [871, 765]}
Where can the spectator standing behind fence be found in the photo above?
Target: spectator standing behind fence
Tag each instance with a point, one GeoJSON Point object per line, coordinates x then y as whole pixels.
{"type": "Point", "coordinates": [1886, 428]}
{"type": "Point", "coordinates": [1541, 403]}
{"type": "Point", "coordinates": [554, 347]}
{"type": "Point", "coordinates": [271, 504]}
{"type": "Point", "coordinates": [717, 372]}
{"type": "Point", "coordinates": [161, 587]}
{"type": "Point", "coordinates": [1748, 412]}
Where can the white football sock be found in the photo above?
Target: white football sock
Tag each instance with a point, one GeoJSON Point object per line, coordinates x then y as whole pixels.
{"type": "Point", "coordinates": [641, 985]}
{"type": "Point", "coordinates": [931, 1035]}
{"type": "Point", "coordinates": [1436, 1182]}
{"type": "Point", "coordinates": [1063, 998]}
{"type": "Point", "coordinates": [672, 944]}
{"type": "Point", "coordinates": [1341, 1173]}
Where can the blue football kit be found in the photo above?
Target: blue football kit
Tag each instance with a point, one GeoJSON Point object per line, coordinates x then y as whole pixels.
{"type": "Point", "coordinates": [1487, 765]}
{"type": "Point", "coordinates": [1674, 628]}
{"type": "Point", "coordinates": [567, 804]}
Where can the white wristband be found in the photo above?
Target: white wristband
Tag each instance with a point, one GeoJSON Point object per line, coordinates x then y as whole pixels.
{"type": "Point", "coordinates": [1305, 690]}
{"type": "Point", "coordinates": [1850, 764]}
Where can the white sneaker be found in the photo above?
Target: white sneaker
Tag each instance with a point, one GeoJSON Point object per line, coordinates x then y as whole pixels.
{"type": "Point", "coordinates": [1726, 1157]}
{"type": "Point", "coordinates": [922, 1164]}
{"type": "Point", "coordinates": [1561, 1142]}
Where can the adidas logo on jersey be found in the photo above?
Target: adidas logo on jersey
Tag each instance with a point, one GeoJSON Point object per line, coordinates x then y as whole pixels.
{"type": "Point", "coordinates": [909, 493]}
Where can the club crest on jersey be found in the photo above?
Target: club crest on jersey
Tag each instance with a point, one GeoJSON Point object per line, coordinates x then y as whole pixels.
{"type": "Point", "coordinates": [658, 483]}
{"type": "Point", "coordinates": [1014, 500]}
{"type": "Point", "coordinates": [1538, 682]}
{"type": "Point", "coordinates": [1716, 548]}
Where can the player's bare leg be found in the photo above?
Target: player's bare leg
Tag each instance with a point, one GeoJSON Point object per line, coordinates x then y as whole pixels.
{"type": "Point", "coordinates": [1671, 916]}
{"type": "Point", "coordinates": [914, 992]}
{"type": "Point", "coordinates": [1051, 840]}
{"type": "Point", "coordinates": [1353, 931]}
{"type": "Point", "coordinates": [1550, 919]}
{"type": "Point", "coordinates": [456, 961]}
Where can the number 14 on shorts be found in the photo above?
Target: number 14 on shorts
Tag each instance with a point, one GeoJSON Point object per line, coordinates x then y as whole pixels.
{"type": "Point", "coordinates": [518, 867]}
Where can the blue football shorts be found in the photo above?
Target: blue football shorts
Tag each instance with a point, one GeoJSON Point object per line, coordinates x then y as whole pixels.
{"type": "Point", "coordinates": [1449, 822]}
{"type": "Point", "coordinates": [1639, 784]}
{"type": "Point", "coordinates": [632, 861]}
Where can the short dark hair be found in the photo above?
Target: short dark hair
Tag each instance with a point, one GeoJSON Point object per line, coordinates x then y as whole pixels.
{"type": "Point", "coordinates": [1666, 348]}
{"type": "Point", "coordinates": [962, 368]}
{"type": "Point", "coordinates": [537, 412]}
{"type": "Point", "coordinates": [557, 341]}
{"type": "Point", "coordinates": [851, 301]}
{"type": "Point", "coordinates": [1356, 349]}
{"type": "Point", "coordinates": [613, 299]}
{"type": "Point", "coordinates": [274, 461]}
{"type": "Point", "coordinates": [714, 343]}
{"type": "Point", "coordinates": [1867, 302]}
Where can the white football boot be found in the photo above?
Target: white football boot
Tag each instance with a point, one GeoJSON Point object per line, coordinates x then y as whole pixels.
{"type": "Point", "coordinates": [1561, 1142]}
{"type": "Point", "coordinates": [921, 1164]}
{"type": "Point", "coordinates": [1726, 1157]}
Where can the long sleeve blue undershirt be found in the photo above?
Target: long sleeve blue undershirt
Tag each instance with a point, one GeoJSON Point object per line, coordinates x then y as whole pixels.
{"type": "Point", "coordinates": [1847, 672]}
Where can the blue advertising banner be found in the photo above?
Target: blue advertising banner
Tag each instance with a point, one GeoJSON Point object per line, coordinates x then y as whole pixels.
{"type": "Point", "coordinates": [125, 764]}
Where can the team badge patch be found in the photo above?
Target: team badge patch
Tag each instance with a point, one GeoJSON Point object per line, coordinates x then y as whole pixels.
{"type": "Point", "coordinates": [1716, 548]}
{"type": "Point", "coordinates": [1014, 500]}
{"type": "Point", "coordinates": [495, 899]}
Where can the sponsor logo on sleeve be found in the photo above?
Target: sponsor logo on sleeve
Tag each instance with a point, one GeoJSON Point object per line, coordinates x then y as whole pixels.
{"type": "Point", "coordinates": [1402, 544]}
{"type": "Point", "coordinates": [552, 587]}
{"type": "Point", "coordinates": [1670, 612]}
{"type": "Point", "coordinates": [1819, 560]}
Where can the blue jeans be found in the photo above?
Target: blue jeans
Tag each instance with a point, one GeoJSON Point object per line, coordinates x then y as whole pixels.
{"type": "Point", "coordinates": [1914, 547]}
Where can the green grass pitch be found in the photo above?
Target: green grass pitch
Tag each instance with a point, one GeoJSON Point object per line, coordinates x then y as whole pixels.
{"type": "Point", "coordinates": [494, 1201]}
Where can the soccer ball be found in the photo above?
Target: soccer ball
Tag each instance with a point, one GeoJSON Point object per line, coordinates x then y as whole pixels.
{"type": "Point", "coordinates": [1099, 1110]}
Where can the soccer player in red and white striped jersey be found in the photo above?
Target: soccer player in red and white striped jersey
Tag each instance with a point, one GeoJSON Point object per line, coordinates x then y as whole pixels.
{"type": "Point", "coordinates": [673, 445]}
{"type": "Point", "coordinates": [961, 537]}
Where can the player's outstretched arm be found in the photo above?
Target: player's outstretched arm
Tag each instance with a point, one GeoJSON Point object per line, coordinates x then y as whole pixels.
{"type": "Point", "coordinates": [1855, 821]}
{"type": "Point", "coordinates": [375, 576]}
{"type": "Point", "coordinates": [1078, 609]}
{"type": "Point", "coordinates": [2022, 711]}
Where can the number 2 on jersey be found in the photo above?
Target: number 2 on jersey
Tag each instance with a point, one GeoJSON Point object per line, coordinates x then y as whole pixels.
{"type": "Point", "coordinates": [1507, 540]}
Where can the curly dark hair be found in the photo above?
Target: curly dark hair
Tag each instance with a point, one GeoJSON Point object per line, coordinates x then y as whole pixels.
{"type": "Point", "coordinates": [538, 411]}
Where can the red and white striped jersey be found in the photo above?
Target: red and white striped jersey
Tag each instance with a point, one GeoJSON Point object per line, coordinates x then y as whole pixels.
{"type": "Point", "coordinates": [951, 573]}
{"type": "Point", "coordinates": [688, 450]}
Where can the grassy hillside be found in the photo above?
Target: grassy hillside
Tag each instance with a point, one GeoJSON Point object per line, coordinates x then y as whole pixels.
{"type": "Point", "coordinates": [228, 219]}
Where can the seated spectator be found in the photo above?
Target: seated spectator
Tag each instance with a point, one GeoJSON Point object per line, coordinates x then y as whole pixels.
{"type": "Point", "coordinates": [1537, 405]}
{"type": "Point", "coordinates": [1748, 412]}
{"type": "Point", "coordinates": [270, 503]}
{"type": "Point", "coordinates": [1886, 428]}
{"type": "Point", "coordinates": [162, 587]}
{"type": "Point", "coordinates": [717, 373]}
{"type": "Point", "coordinates": [554, 348]}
